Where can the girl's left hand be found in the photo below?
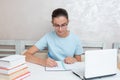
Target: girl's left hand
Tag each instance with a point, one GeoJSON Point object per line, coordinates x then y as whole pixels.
{"type": "Point", "coordinates": [70, 60]}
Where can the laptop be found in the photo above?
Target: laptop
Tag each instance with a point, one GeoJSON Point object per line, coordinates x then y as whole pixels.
{"type": "Point", "coordinates": [98, 63]}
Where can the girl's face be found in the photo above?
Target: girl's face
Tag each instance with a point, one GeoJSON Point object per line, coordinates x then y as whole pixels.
{"type": "Point", "coordinates": [60, 24]}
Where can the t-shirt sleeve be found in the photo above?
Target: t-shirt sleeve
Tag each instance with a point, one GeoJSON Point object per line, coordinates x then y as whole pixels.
{"type": "Point", "coordinates": [79, 48]}
{"type": "Point", "coordinates": [42, 43]}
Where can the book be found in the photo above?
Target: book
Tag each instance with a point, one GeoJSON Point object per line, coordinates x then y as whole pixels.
{"type": "Point", "coordinates": [23, 76]}
{"type": "Point", "coordinates": [11, 61]}
{"type": "Point", "coordinates": [15, 75]}
{"type": "Point", "coordinates": [12, 70]}
{"type": "Point", "coordinates": [63, 66]}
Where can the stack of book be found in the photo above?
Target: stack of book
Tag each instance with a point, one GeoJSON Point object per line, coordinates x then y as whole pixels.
{"type": "Point", "coordinates": [13, 68]}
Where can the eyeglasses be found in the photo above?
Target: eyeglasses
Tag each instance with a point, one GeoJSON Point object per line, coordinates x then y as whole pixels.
{"type": "Point", "coordinates": [57, 26]}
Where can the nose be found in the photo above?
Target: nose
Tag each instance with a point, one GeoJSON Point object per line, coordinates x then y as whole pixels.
{"type": "Point", "coordinates": [60, 28]}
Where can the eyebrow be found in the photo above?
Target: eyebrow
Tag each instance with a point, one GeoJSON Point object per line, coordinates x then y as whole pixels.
{"type": "Point", "coordinates": [60, 24]}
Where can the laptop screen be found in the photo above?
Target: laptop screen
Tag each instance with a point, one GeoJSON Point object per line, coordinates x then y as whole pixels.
{"type": "Point", "coordinates": [100, 63]}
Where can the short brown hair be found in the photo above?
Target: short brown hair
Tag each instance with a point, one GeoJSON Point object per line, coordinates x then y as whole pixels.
{"type": "Point", "coordinates": [59, 12]}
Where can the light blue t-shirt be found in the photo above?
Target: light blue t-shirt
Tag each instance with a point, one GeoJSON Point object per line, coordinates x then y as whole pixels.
{"type": "Point", "coordinates": [60, 48]}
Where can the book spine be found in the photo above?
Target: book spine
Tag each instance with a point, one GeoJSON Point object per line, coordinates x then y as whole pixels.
{"type": "Point", "coordinates": [14, 75]}
{"type": "Point", "coordinates": [21, 77]}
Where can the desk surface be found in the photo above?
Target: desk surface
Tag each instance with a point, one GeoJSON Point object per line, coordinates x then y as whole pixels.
{"type": "Point", "coordinates": [38, 72]}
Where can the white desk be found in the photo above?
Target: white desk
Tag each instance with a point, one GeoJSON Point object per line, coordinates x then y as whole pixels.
{"type": "Point", "coordinates": [38, 73]}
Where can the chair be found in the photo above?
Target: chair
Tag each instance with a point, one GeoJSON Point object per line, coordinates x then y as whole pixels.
{"type": "Point", "coordinates": [87, 45]}
{"type": "Point", "coordinates": [93, 45]}
{"type": "Point", "coordinates": [116, 45]}
{"type": "Point", "coordinates": [43, 54]}
{"type": "Point", "coordinates": [9, 47]}
{"type": "Point", "coordinates": [26, 44]}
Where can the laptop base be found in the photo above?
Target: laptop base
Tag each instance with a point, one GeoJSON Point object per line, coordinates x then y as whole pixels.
{"type": "Point", "coordinates": [98, 77]}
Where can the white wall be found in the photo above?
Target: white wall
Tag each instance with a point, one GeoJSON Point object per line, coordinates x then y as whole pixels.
{"type": "Point", "coordinates": [91, 20]}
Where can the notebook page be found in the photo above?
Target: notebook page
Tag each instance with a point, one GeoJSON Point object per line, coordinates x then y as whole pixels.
{"type": "Point", "coordinates": [60, 66]}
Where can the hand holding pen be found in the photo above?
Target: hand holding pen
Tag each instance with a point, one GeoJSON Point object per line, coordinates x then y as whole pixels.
{"type": "Point", "coordinates": [50, 62]}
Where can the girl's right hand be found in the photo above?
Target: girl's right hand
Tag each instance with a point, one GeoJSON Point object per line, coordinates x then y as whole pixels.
{"type": "Point", "coordinates": [50, 62]}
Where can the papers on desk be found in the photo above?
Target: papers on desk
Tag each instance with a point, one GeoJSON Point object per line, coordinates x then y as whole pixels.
{"type": "Point", "coordinates": [63, 66]}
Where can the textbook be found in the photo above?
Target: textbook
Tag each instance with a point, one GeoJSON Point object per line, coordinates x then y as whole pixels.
{"type": "Point", "coordinates": [12, 61]}
{"type": "Point", "coordinates": [23, 76]}
{"type": "Point", "coordinates": [15, 75]}
{"type": "Point", "coordinates": [13, 67]}
{"type": "Point", "coordinates": [10, 71]}
{"type": "Point", "coordinates": [63, 66]}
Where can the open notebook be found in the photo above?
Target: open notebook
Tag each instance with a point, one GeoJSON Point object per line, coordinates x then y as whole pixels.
{"type": "Point", "coordinates": [63, 66]}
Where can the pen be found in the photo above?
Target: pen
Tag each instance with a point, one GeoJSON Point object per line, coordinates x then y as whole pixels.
{"type": "Point", "coordinates": [49, 55]}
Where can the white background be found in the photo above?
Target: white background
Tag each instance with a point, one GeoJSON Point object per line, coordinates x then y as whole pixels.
{"type": "Point", "coordinates": [91, 20]}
